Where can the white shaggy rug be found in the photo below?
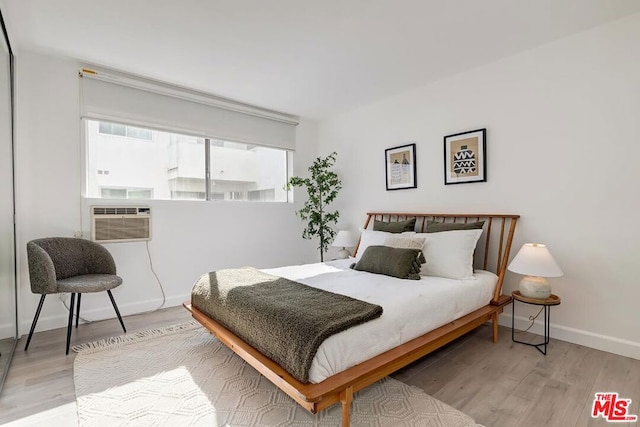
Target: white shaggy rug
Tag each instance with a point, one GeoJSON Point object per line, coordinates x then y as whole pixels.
{"type": "Point", "coordinates": [183, 376]}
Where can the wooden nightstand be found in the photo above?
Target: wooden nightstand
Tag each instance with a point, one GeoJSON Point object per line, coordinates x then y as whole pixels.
{"type": "Point", "coordinates": [546, 303]}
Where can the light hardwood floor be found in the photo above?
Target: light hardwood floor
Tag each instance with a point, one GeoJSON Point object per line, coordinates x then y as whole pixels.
{"type": "Point", "coordinates": [503, 384]}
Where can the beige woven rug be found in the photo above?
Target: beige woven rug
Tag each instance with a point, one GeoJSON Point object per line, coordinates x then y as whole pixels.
{"type": "Point", "coordinates": [183, 376]}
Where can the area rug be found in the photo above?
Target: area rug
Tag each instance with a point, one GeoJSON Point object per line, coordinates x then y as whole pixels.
{"type": "Point", "coordinates": [183, 376]}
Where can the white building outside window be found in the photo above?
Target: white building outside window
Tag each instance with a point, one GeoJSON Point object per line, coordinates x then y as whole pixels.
{"type": "Point", "coordinates": [128, 162]}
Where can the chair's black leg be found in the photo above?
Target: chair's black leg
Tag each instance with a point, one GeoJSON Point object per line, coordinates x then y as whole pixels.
{"type": "Point", "coordinates": [115, 307]}
{"type": "Point", "coordinates": [78, 310]}
{"type": "Point", "coordinates": [35, 320]}
{"type": "Point", "coordinates": [73, 298]}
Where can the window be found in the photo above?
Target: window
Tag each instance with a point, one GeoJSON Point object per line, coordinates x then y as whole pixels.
{"type": "Point", "coordinates": [126, 193]}
{"type": "Point", "coordinates": [173, 167]}
{"type": "Point", "coordinates": [123, 130]}
{"type": "Point", "coordinates": [187, 195]}
{"type": "Point", "coordinates": [248, 172]}
{"type": "Point", "coordinates": [262, 195]}
{"type": "Point", "coordinates": [112, 129]}
{"type": "Point", "coordinates": [139, 194]}
{"type": "Point", "coordinates": [113, 193]}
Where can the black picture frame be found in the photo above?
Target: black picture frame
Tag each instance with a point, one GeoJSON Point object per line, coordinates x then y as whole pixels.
{"type": "Point", "coordinates": [400, 167]}
{"type": "Point", "coordinates": [465, 157]}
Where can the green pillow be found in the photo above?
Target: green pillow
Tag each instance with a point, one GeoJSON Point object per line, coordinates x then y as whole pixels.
{"type": "Point", "coordinates": [395, 262]}
{"type": "Point", "coordinates": [395, 227]}
{"type": "Point", "coordinates": [436, 227]}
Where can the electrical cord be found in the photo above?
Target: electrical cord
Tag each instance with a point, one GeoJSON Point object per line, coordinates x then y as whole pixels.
{"type": "Point", "coordinates": [63, 300]}
{"type": "Point", "coordinates": [63, 297]}
{"type": "Point", "coordinates": [164, 297]}
{"type": "Point", "coordinates": [532, 319]}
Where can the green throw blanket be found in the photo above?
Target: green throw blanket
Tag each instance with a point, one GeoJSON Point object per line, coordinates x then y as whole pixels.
{"type": "Point", "coordinates": [282, 319]}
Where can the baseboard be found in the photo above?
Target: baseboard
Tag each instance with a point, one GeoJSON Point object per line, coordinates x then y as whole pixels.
{"type": "Point", "coordinates": [577, 336]}
{"type": "Point", "coordinates": [46, 323]}
{"type": "Point", "coordinates": [7, 330]}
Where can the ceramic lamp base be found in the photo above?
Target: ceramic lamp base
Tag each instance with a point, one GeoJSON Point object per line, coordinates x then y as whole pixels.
{"type": "Point", "coordinates": [535, 287]}
{"type": "Point", "coordinates": [343, 254]}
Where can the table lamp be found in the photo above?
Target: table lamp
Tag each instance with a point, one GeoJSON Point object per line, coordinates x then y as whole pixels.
{"type": "Point", "coordinates": [344, 239]}
{"type": "Point", "coordinates": [535, 261]}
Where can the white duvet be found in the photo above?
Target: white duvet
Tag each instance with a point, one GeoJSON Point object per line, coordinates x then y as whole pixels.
{"type": "Point", "coordinates": [411, 308]}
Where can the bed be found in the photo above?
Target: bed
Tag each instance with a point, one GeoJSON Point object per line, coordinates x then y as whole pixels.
{"type": "Point", "coordinates": [347, 362]}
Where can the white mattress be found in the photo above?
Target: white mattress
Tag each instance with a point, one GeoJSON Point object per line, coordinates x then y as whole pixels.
{"type": "Point", "coordinates": [411, 308]}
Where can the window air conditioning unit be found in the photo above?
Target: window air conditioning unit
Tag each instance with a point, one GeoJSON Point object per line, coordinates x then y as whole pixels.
{"type": "Point", "coordinates": [111, 224]}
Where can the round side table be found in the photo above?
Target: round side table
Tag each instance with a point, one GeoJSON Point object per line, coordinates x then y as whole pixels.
{"type": "Point", "coordinates": [547, 304]}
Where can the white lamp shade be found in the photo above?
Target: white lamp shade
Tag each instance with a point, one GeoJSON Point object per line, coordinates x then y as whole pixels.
{"type": "Point", "coordinates": [344, 239]}
{"type": "Point", "coordinates": [534, 259]}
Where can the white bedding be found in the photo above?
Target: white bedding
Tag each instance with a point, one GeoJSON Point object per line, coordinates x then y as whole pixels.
{"type": "Point", "coordinates": [411, 308]}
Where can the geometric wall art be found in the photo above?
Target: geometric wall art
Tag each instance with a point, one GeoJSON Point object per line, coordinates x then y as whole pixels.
{"type": "Point", "coordinates": [465, 157]}
{"type": "Point", "coordinates": [400, 167]}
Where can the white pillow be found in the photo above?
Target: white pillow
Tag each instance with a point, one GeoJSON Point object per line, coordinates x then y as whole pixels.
{"type": "Point", "coordinates": [450, 253]}
{"type": "Point", "coordinates": [406, 242]}
{"type": "Point", "coordinates": [375, 238]}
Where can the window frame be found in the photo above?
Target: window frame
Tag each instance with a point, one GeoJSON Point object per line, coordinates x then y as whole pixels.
{"type": "Point", "coordinates": [209, 196]}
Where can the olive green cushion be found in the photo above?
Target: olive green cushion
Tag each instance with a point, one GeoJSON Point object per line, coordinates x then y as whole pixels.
{"type": "Point", "coordinates": [436, 227]}
{"type": "Point", "coordinates": [395, 262]}
{"type": "Point", "coordinates": [395, 226]}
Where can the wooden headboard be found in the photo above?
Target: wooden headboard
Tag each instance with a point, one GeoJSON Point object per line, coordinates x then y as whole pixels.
{"type": "Point", "coordinates": [493, 247]}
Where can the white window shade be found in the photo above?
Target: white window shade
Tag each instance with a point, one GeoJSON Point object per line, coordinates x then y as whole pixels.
{"type": "Point", "coordinates": [105, 96]}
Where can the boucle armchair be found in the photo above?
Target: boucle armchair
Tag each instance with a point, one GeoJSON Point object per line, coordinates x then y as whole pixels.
{"type": "Point", "coordinates": [75, 266]}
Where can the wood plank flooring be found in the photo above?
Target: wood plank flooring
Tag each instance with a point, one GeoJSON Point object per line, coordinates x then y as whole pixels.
{"type": "Point", "coordinates": [503, 384]}
{"type": "Point", "coordinates": [513, 385]}
{"type": "Point", "coordinates": [39, 389]}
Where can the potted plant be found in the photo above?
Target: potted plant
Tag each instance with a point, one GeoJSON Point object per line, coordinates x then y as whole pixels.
{"type": "Point", "coordinates": [322, 188]}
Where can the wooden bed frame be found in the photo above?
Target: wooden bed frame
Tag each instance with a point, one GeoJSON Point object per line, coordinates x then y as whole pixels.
{"type": "Point", "coordinates": [494, 247]}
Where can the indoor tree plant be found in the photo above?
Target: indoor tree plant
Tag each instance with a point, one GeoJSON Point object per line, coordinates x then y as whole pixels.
{"type": "Point", "coordinates": [322, 187]}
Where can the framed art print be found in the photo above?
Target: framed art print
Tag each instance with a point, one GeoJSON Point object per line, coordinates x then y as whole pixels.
{"type": "Point", "coordinates": [465, 157]}
{"type": "Point", "coordinates": [400, 167]}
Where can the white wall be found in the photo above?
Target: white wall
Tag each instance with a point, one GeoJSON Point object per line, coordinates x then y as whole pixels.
{"type": "Point", "coordinates": [563, 126]}
{"type": "Point", "coordinates": [189, 238]}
